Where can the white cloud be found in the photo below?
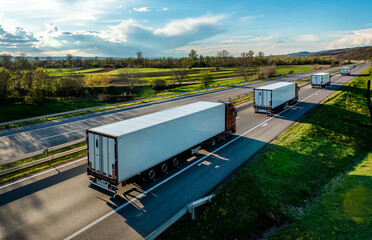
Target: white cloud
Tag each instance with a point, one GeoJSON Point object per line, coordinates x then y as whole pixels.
{"type": "Point", "coordinates": [142, 9]}
{"type": "Point", "coordinates": [249, 18]}
{"type": "Point", "coordinates": [188, 25]}
{"type": "Point", "coordinates": [306, 38]}
{"type": "Point", "coordinates": [76, 12]}
{"type": "Point", "coordinates": [262, 39]}
{"type": "Point", "coordinates": [355, 38]}
{"type": "Point", "coordinates": [233, 41]}
{"type": "Point", "coordinates": [165, 9]}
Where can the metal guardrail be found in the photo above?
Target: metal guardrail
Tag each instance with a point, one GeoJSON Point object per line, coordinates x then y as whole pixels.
{"type": "Point", "coordinates": [189, 208]}
{"type": "Point", "coordinates": [44, 151]}
{"type": "Point", "coordinates": [134, 101]}
{"type": "Point", "coordinates": [42, 160]}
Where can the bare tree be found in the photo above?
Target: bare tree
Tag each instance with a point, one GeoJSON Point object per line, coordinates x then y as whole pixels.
{"type": "Point", "coordinates": [245, 62]}
{"type": "Point", "coordinates": [222, 59]}
{"type": "Point", "coordinates": [180, 72]}
{"type": "Point", "coordinates": [129, 77]}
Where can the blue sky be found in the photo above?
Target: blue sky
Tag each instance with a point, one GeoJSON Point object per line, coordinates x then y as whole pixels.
{"type": "Point", "coordinates": [159, 28]}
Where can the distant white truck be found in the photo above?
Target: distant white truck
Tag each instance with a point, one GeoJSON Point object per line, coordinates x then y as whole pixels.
{"type": "Point", "coordinates": [274, 97]}
{"type": "Point", "coordinates": [320, 80]}
{"type": "Point", "coordinates": [154, 142]}
{"type": "Point", "coordinates": [345, 71]}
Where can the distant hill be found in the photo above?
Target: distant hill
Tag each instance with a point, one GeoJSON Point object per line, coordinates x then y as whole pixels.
{"type": "Point", "coordinates": [298, 54]}
{"type": "Point", "coordinates": [358, 53]}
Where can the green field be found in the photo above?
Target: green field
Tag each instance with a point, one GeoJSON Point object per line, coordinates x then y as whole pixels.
{"type": "Point", "coordinates": [286, 178]}
{"type": "Point", "coordinates": [22, 111]}
{"type": "Point", "coordinates": [286, 69]}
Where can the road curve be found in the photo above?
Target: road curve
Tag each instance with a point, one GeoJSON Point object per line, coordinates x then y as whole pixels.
{"type": "Point", "coordinates": [58, 204]}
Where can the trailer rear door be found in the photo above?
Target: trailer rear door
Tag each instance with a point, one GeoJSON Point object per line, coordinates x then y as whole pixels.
{"type": "Point", "coordinates": [262, 98]}
{"type": "Point", "coordinates": [317, 79]}
{"type": "Point", "coordinates": [101, 155]}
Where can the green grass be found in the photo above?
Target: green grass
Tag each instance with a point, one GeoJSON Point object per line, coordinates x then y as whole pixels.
{"type": "Point", "coordinates": [343, 212]}
{"type": "Point", "coordinates": [285, 177]}
{"type": "Point", "coordinates": [22, 111]}
{"type": "Point", "coordinates": [286, 69]}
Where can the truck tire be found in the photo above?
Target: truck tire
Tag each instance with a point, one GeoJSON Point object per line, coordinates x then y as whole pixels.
{"type": "Point", "coordinates": [231, 133]}
{"type": "Point", "coordinates": [175, 162]}
{"type": "Point", "coordinates": [151, 174]}
{"type": "Point", "coordinates": [164, 167]}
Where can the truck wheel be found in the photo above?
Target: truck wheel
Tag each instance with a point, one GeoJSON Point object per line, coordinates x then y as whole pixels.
{"type": "Point", "coordinates": [213, 142]}
{"type": "Point", "coordinates": [175, 162]}
{"type": "Point", "coordinates": [164, 167]}
{"type": "Point", "coordinates": [151, 174]}
{"type": "Point", "coordinates": [231, 132]}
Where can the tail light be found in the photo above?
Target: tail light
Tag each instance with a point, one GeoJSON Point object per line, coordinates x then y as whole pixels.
{"type": "Point", "coordinates": [92, 179]}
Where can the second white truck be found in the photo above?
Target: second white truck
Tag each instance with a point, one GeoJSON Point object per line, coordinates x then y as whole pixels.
{"type": "Point", "coordinates": [320, 80]}
{"type": "Point", "coordinates": [274, 97]}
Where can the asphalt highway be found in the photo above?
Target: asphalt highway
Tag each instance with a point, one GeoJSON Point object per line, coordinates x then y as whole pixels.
{"type": "Point", "coordinates": [58, 204]}
{"type": "Point", "coordinates": [30, 138]}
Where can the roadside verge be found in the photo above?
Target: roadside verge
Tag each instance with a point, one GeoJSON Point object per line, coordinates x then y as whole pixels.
{"type": "Point", "coordinates": [288, 175]}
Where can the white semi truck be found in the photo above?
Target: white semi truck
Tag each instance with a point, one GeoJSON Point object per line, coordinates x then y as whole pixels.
{"type": "Point", "coordinates": [320, 80]}
{"type": "Point", "coordinates": [274, 97]}
{"type": "Point", "coordinates": [345, 71]}
{"type": "Point", "coordinates": [152, 143]}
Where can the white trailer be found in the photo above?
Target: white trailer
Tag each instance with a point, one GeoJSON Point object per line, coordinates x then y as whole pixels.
{"type": "Point", "coordinates": [320, 80]}
{"type": "Point", "coordinates": [345, 71]}
{"type": "Point", "coordinates": [274, 97]}
{"type": "Point", "coordinates": [146, 144]}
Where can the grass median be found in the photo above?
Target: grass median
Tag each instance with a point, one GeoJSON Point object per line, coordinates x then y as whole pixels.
{"type": "Point", "coordinates": [289, 175]}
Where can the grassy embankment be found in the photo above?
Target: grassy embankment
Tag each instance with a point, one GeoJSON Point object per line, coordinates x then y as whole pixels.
{"type": "Point", "coordinates": [285, 180]}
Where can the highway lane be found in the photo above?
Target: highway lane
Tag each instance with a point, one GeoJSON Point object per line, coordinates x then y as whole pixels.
{"type": "Point", "coordinates": [57, 204]}
{"type": "Point", "coordinates": [30, 138]}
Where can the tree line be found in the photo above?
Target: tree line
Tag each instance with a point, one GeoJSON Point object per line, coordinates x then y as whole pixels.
{"type": "Point", "coordinates": [222, 59]}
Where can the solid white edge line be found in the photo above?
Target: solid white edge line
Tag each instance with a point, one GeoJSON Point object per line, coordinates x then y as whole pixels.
{"type": "Point", "coordinates": [53, 169]}
{"type": "Point", "coordinates": [181, 171]}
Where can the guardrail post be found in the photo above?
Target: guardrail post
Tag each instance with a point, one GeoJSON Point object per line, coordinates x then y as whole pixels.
{"type": "Point", "coordinates": [46, 152]}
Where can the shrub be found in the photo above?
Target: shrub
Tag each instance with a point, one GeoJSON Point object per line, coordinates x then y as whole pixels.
{"type": "Point", "coordinates": [206, 78]}
{"type": "Point", "coordinates": [159, 84]}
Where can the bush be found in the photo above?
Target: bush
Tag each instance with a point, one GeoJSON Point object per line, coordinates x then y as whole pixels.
{"type": "Point", "coordinates": [159, 84]}
{"type": "Point", "coordinates": [290, 72]}
{"type": "Point", "coordinates": [206, 78]}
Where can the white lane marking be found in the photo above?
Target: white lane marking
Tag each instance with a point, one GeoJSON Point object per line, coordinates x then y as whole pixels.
{"type": "Point", "coordinates": [53, 169]}
{"type": "Point", "coordinates": [62, 134]}
{"type": "Point", "coordinates": [264, 125]}
{"type": "Point", "coordinates": [181, 171]}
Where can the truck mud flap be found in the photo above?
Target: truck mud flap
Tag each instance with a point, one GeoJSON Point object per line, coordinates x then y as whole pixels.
{"type": "Point", "coordinates": [103, 186]}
